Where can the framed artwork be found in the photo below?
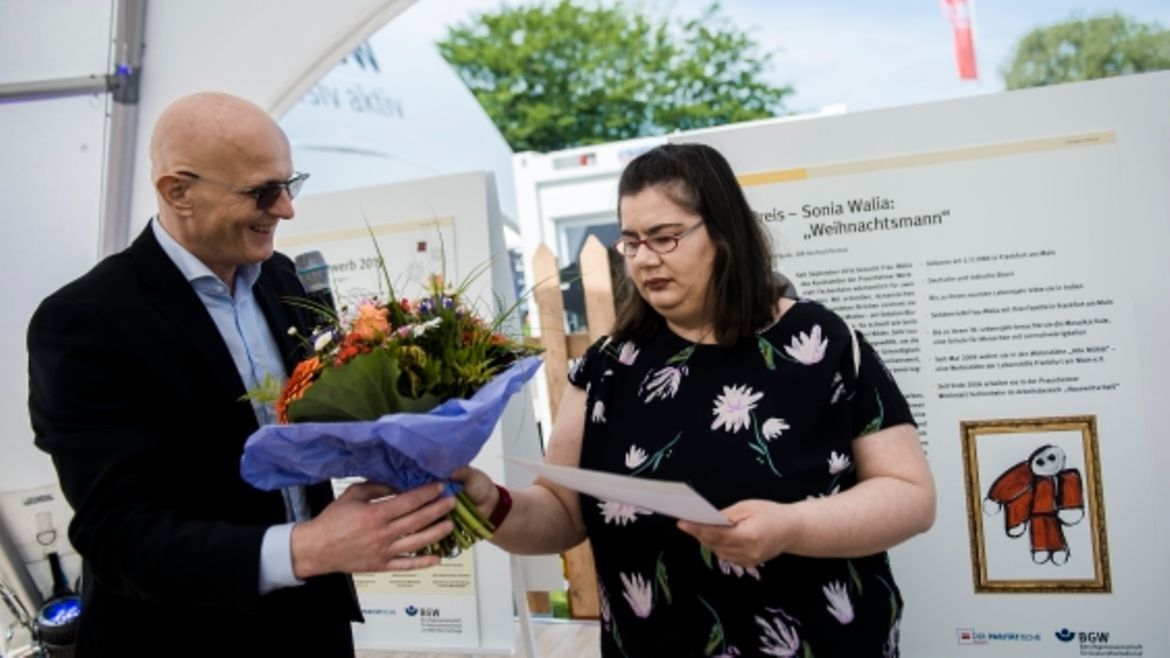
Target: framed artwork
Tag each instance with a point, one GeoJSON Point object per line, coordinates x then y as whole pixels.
{"type": "Point", "coordinates": [1034, 505]}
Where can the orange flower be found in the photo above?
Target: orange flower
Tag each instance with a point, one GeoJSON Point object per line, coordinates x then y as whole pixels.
{"type": "Point", "coordinates": [298, 382]}
{"type": "Point", "coordinates": [372, 322]}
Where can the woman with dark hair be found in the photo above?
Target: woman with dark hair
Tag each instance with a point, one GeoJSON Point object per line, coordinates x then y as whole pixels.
{"type": "Point", "coordinates": [772, 409]}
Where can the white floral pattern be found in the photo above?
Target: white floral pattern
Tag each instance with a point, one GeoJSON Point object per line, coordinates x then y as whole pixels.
{"type": "Point", "coordinates": [628, 353]}
{"type": "Point", "coordinates": [639, 594]}
{"type": "Point", "coordinates": [774, 427]}
{"type": "Point", "coordinates": [729, 568]}
{"type": "Point", "coordinates": [839, 604]}
{"type": "Point", "coordinates": [598, 415]}
{"type": "Point", "coordinates": [808, 348]}
{"type": "Point", "coordinates": [734, 421]}
{"type": "Point", "coordinates": [734, 407]}
{"type": "Point", "coordinates": [838, 463]}
{"type": "Point", "coordinates": [778, 639]}
{"type": "Point", "coordinates": [635, 457]}
{"type": "Point", "coordinates": [620, 513]}
{"type": "Point", "coordinates": [662, 385]}
{"type": "Point", "coordinates": [839, 388]}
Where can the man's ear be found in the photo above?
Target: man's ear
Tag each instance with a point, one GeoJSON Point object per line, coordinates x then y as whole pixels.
{"type": "Point", "coordinates": [174, 191]}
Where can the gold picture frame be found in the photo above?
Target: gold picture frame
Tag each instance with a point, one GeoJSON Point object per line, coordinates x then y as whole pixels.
{"type": "Point", "coordinates": [1035, 505]}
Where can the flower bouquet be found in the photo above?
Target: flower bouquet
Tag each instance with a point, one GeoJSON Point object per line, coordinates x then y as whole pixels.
{"type": "Point", "coordinates": [400, 392]}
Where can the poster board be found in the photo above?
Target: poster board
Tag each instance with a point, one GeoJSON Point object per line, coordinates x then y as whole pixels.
{"type": "Point", "coordinates": [446, 225]}
{"type": "Point", "coordinates": [999, 252]}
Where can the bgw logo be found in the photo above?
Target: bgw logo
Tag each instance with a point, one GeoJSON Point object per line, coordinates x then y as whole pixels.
{"type": "Point", "coordinates": [1090, 637]}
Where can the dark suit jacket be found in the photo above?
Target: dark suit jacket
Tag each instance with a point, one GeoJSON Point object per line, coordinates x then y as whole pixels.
{"type": "Point", "coordinates": [135, 396]}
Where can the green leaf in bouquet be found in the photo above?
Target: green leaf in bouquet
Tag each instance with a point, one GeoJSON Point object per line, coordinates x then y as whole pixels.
{"type": "Point", "coordinates": [363, 389]}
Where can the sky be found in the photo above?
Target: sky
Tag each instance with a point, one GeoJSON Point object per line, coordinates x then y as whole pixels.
{"type": "Point", "coordinates": [864, 54]}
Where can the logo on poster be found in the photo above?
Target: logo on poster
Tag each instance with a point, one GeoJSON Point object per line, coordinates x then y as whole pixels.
{"type": "Point", "coordinates": [972, 636]}
{"type": "Point", "coordinates": [1065, 635]}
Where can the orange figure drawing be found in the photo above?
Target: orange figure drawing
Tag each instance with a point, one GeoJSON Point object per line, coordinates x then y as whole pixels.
{"type": "Point", "coordinates": [1043, 495]}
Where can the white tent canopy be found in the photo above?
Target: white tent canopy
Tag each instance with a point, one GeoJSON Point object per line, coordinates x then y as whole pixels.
{"type": "Point", "coordinates": [54, 168]}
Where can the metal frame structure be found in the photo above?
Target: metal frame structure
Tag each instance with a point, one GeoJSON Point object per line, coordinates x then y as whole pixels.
{"type": "Point", "coordinates": [122, 83]}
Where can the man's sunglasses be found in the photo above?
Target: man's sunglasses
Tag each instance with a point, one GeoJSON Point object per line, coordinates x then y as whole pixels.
{"type": "Point", "coordinates": [265, 194]}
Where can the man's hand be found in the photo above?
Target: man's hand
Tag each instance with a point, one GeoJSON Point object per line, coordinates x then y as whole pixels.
{"type": "Point", "coordinates": [365, 530]}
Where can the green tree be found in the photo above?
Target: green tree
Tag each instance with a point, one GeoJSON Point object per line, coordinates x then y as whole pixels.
{"type": "Point", "coordinates": [552, 77]}
{"type": "Point", "coordinates": [1086, 49]}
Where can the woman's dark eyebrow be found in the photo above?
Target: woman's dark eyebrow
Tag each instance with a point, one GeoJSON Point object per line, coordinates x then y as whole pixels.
{"type": "Point", "coordinates": [656, 228]}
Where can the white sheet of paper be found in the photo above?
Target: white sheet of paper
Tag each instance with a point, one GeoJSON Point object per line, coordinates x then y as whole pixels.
{"type": "Point", "coordinates": [674, 499]}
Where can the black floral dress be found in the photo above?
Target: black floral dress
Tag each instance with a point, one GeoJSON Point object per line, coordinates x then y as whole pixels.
{"type": "Point", "coordinates": [772, 418]}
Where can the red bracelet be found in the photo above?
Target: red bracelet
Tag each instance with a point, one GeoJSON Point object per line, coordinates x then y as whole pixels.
{"type": "Point", "coordinates": [503, 506]}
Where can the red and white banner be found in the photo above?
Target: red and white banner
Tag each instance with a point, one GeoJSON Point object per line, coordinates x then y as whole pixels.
{"type": "Point", "coordinates": [959, 13]}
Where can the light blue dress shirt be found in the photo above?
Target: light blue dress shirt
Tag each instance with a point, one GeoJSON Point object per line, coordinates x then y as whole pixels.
{"type": "Point", "coordinates": [246, 334]}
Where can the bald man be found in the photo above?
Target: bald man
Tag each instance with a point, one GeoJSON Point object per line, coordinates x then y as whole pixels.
{"type": "Point", "coordinates": [136, 374]}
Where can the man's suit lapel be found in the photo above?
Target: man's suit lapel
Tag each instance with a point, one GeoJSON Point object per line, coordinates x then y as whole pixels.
{"type": "Point", "coordinates": [174, 298]}
{"type": "Point", "coordinates": [280, 318]}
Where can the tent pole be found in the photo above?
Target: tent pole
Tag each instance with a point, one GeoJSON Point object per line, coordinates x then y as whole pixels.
{"type": "Point", "coordinates": [114, 231]}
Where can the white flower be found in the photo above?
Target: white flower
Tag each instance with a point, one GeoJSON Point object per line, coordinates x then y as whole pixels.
{"type": "Point", "coordinates": [322, 341]}
{"type": "Point", "coordinates": [598, 412]}
{"type": "Point", "coordinates": [620, 513]}
{"type": "Point", "coordinates": [628, 354]}
{"type": "Point", "coordinates": [808, 348]}
{"type": "Point", "coordinates": [729, 568]}
{"type": "Point", "coordinates": [780, 640]}
{"type": "Point", "coordinates": [420, 329]}
{"type": "Point", "coordinates": [639, 594]}
{"type": "Point", "coordinates": [635, 457]}
{"type": "Point", "coordinates": [839, 604]}
{"type": "Point", "coordinates": [774, 427]}
{"type": "Point", "coordinates": [733, 408]}
{"type": "Point", "coordinates": [838, 463]}
{"type": "Point", "coordinates": [292, 331]}
{"type": "Point", "coordinates": [663, 384]}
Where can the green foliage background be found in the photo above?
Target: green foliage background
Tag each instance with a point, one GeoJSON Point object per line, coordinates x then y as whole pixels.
{"type": "Point", "coordinates": [563, 75]}
{"type": "Point", "coordinates": [1087, 49]}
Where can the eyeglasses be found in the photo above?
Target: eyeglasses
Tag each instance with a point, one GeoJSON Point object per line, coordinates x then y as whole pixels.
{"type": "Point", "coordinates": [659, 244]}
{"type": "Point", "coordinates": [265, 194]}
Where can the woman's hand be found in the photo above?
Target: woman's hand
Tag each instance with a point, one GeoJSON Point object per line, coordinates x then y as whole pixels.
{"type": "Point", "coordinates": [761, 530]}
{"type": "Point", "coordinates": [479, 487]}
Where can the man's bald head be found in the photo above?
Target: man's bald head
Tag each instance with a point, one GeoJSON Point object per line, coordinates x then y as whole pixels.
{"type": "Point", "coordinates": [211, 132]}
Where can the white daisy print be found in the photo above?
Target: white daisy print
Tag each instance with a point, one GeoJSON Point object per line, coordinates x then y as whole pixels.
{"type": "Point", "coordinates": [838, 463]}
{"type": "Point", "coordinates": [662, 384]}
{"type": "Point", "coordinates": [839, 604]}
{"type": "Point", "coordinates": [628, 353]}
{"type": "Point", "coordinates": [639, 594]}
{"type": "Point", "coordinates": [733, 408]}
{"type": "Point", "coordinates": [635, 457]}
{"type": "Point", "coordinates": [808, 348]}
{"type": "Point", "coordinates": [778, 639]}
{"type": "Point", "coordinates": [620, 513]}
{"type": "Point", "coordinates": [774, 427]}
{"type": "Point", "coordinates": [729, 568]}
{"type": "Point", "coordinates": [598, 415]}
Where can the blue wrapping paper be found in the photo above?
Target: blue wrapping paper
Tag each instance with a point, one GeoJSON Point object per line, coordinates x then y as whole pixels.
{"type": "Point", "coordinates": [401, 450]}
